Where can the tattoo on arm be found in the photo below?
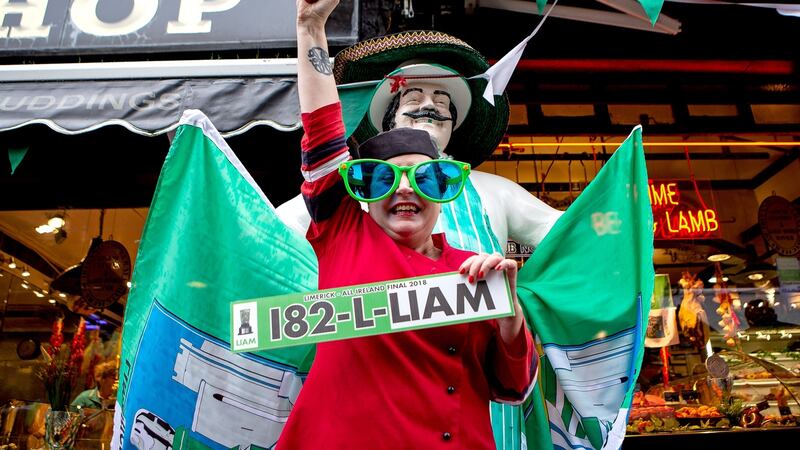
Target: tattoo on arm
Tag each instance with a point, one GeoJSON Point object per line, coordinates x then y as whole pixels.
{"type": "Point", "coordinates": [320, 60]}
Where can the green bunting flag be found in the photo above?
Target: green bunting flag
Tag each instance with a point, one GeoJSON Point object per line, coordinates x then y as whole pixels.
{"type": "Point", "coordinates": [15, 157]}
{"type": "Point", "coordinates": [211, 237]}
{"type": "Point", "coordinates": [651, 7]}
{"type": "Point", "coordinates": [586, 294]}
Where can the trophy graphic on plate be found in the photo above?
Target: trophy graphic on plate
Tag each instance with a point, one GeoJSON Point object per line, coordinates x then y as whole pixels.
{"type": "Point", "coordinates": [245, 328]}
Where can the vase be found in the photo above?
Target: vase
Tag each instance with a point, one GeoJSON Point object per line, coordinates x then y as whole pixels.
{"type": "Point", "coordinates": [61, 429]}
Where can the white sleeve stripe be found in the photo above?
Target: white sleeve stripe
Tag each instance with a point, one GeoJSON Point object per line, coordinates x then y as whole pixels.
{"type": "Point", "coordinates": [325, 169]}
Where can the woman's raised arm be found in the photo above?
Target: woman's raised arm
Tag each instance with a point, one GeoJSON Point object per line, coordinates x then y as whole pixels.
{"type": "Point", "coordinates": [315, 81]}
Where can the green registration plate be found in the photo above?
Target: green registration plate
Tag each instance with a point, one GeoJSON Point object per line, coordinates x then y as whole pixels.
{"type": "Point", "coordinates": [366, 310]}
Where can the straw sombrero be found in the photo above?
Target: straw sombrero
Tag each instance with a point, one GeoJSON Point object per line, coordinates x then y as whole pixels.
{"type": "Point", "coordinates": [484, 125]}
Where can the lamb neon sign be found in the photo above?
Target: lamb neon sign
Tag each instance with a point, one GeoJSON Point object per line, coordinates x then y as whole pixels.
{"type": "Point", "coordinates": [681, 213]}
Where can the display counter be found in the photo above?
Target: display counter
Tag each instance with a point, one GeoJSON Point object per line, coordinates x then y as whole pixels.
{"type": "Point", "coordinates": [756, 438]}
{"type": "Point", "coordinates": [22, 427]}
{"type": "Point", "coordinates": [739, 397]}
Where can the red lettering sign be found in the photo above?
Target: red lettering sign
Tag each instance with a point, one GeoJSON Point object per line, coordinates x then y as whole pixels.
{"type": "Point", "coordinates": [681, 210]}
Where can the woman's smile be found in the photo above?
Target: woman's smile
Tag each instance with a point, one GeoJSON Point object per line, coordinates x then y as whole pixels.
{"type": "Point", "coordinates": [405, 209]}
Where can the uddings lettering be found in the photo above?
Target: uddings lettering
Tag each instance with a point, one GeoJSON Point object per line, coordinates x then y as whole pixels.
{"type": "Point", "coordinates": [138, 101]}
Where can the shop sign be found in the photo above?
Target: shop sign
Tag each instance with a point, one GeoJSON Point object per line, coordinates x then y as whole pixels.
{"type": "Point", "coordinates": [788, 270]}
{"type": "Point", "coordinates": [779, 220]}
{"type": "Point", "coordinates": [683, 209]}
{"type": "Point", "coordinates": [789, 277]}
{"type": "Point", "coordinates": [516, 250]}
{"type": "Point", "coordinates": [367, 310]}
{"type": "Point", "coordinates": [61, 26]}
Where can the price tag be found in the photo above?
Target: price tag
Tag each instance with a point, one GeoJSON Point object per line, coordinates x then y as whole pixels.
{"type": "Point", "coordinates": [366, 310]}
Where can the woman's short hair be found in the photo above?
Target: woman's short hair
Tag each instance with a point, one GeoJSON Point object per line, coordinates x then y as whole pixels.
{"type": "Point", "coordinates": [105, 370]}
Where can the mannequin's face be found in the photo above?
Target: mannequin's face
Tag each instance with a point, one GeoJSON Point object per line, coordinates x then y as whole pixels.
{"type": "Point", "coordinates": [426, 106]}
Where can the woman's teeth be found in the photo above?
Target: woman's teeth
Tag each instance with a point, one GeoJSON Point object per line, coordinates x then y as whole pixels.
{"type": "Point", "coordinates": [405, 208]}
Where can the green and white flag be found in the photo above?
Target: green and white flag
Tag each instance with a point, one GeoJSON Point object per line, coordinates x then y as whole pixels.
{"type": "Point", "coordinates": [211, 237]}
{"type": "Point", "coordinates": [586, 295]}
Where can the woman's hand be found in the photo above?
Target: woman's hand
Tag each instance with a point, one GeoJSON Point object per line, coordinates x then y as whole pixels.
{"type": "Point", "coordinates": [476, 267]}
{"type": "Point", "coordinates": [314, 13]}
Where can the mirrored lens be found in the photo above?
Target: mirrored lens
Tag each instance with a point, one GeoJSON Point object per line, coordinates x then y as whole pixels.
{"type": "Point", "coordinates": [369, 180]}
{"type": "Point", "coordinates": [439, 179]}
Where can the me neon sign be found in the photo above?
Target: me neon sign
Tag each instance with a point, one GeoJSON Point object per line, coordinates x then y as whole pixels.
{"type": "Point", "coordinates": [680, 210]}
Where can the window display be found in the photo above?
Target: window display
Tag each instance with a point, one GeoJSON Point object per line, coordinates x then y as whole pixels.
{"type": "Point", "coordinates": [735, 367]}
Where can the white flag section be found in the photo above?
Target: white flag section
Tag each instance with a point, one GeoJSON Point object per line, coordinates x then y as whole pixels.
{"type": "Point", "coordinates": [211, 237]}
{"type": "Point", "coordinates": [500, 73]}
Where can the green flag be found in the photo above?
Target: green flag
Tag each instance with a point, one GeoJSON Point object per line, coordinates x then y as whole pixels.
{"type": "Point", "coordinates": [211, 237]}
{"type": "Point", "coordinates": [652, 8]}
{"type": "Point", "coordinates": [586, 294]}
{"type": "Point", "coordinates": [15, 157]}
{"type": "Point", "coordinates": [355, 99]}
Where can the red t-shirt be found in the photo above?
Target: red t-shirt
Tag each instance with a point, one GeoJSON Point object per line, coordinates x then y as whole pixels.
{"type": "Point", "coordinates": [422, 389]}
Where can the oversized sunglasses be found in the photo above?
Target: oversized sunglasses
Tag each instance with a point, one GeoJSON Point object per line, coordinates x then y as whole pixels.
{"type": "Point", "coordinates": [372, 180]}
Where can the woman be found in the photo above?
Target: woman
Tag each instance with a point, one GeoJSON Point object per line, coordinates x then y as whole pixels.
{"type": "Point", "coordinates": [419, 389]}
{"type": "Point", "coordinates": [103, 395]}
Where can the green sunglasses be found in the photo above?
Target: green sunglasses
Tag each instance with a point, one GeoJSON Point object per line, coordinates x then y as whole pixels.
{"type": "Point", "coordinates": [372, 180]}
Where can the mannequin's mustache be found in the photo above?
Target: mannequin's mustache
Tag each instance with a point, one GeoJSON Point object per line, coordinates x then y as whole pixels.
{"type": "Point", "coordinates": [426, 114]}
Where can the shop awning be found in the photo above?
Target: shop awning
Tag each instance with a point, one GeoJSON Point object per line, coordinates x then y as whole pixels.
{"type": "Point", "coordinates": [148, 98]}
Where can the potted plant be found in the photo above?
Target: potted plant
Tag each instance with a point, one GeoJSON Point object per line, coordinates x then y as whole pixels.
{"type": "Point", "coordinates": [59, 373]}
